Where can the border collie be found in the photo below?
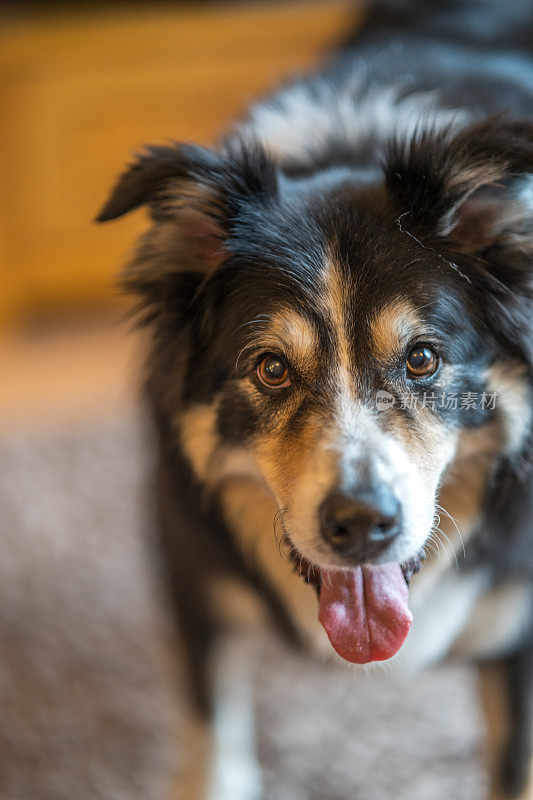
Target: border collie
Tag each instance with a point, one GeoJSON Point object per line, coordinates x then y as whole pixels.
{"type": "Point", "coordinates": [340, 303]}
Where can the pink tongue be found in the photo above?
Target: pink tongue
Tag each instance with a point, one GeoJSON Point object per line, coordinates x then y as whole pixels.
{"type": "Point", "coordinates": [364, 612]}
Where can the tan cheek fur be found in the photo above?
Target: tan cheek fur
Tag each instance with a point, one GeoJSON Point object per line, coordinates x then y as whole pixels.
{"type": "Point", "coordinates": [282, 458]}
{"type": "Point", "coordinates": [460, 497]}
{"type": "Point", "coordinates": [249, 508]}
{"type": "Point", "coordinates": [197, 432]}
{"type": "Point", "coordinates": [464, 483]}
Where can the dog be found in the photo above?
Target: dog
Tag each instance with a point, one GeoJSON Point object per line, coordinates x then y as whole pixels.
{"type": "Point", "coordinates": [340, 300]}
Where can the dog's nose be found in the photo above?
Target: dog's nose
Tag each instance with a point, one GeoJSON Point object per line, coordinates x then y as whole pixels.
{"type": "Point", "coordinates": [360, 524]}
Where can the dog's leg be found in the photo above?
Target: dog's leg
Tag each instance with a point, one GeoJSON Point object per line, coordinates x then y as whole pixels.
{"type": "Point", "coordinates": [495, 701]}
{"type": "Point", "coordinates": [196, 630]}
{"type": "Point", "coordinates": [517, 774]}
{"type": "Point", "coordinates": [219, 746]}
{"type": "Point", "coordinates": [507, 693]}
{"type": "Point", "coordinates": [235, 772]}
{"type": "Point", "coordinates": [195, 623]}
{"type": "Point", "coordinates": [219, 752]}
{"type": "Point", "coordinates": [192, 781]}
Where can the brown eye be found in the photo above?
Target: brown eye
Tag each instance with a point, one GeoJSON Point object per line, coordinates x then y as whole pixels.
{"type": "Point", "coordinates": [422, 362]}
{"type": "Point", "coordinates": [273, 372]}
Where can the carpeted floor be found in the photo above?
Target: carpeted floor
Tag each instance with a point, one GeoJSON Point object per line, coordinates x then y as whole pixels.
{"type": "Point", "coordinates": [90, 703]}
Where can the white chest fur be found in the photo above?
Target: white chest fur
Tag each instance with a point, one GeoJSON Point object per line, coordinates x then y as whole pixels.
{"type": "Point", "coordinates": [458, 613]}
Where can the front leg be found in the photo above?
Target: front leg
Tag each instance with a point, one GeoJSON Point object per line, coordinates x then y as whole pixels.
{"type": "Point", "coordinates": [507, 694]}
{"type": "Point", "coordinates": [219, 751]}
{"type": "Point", "coordinates": [235, 773]}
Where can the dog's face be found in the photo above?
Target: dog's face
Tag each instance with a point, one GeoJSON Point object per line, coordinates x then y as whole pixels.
{"type": "Point", "coordinates": [343, 339]}
{"type": "Point", "coordinates": [305, 355]}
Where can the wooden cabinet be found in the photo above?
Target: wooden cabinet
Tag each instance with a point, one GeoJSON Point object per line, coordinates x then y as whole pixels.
{"type": "Point", "coordinates": [79, 94]}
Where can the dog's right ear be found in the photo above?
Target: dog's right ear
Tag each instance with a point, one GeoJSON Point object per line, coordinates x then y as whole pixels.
{"type": "Point", "coordinates": [158, 167]}
{"type": "Point", "coordinates": [181, 185]}
{"type": "Point", "coordinates": [195, 197]}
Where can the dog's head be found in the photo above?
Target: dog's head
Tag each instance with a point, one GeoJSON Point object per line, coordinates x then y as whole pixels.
{"type": "Point", "coordinates": [343, 336]}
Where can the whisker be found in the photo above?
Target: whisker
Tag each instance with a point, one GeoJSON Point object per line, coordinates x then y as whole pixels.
{"type": "Point", "coordinates": [279, 539]}
{"type": "Point", "coordinates": [246, 347]}
{"type": "Point", "coordinates": [433, 545]}
{"type": "Point", "coordinates": [454, 521]}
{"type": "Point", "coordinates": [444, 547]}
{"type": "Point", "coordinates": [260, 318]}
{"type": "Point", "coordinates": [423, 564]}
{"type": "Point", "coordinates": [451, 545]}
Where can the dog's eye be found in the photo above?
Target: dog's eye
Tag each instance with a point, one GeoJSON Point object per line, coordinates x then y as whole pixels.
{"type": "Point", "coordinates": [273, 372]}
{"type": "Point", "coordinates": [422, 362]}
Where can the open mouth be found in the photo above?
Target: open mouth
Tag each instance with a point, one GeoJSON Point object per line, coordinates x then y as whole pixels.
{"type": "Point", "coordinates": [364, 610]}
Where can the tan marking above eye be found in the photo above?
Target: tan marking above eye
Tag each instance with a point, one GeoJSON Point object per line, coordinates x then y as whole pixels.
{"type": "Point", "coordinates": [293, 335]}
{"type": "Point", "coordinates": [392, 328]}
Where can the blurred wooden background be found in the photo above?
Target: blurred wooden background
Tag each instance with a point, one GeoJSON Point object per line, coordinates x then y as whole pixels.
{"type": "Point", "coordinates": [81, 90]}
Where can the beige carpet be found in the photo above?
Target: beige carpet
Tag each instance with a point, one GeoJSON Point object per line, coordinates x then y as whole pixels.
{"type": "Point", "coordinates": [90, 700]}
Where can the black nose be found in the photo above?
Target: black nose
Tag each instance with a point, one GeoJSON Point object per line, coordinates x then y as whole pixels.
{"type": "Point", "coordinates": [360, 524]}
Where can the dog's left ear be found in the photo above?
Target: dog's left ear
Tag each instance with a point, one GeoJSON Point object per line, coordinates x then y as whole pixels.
{"type": "Point", "coordinates": [473, 189]}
